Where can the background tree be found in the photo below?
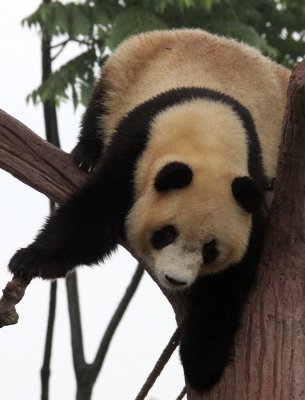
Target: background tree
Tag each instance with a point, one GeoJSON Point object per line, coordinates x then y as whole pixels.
{"type": "Point", "coordinates": [276, 27]}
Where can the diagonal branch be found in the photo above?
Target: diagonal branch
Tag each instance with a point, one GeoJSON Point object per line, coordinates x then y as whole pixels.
{"type": "Point", "coordinates": [36, 162]}
{"type": "Point", "coordinates": [75, 324]}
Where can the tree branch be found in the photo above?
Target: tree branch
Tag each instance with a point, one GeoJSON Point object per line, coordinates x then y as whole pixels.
{"type": "Point", "coordinates": [45, 369]}
{"type": "Point", "coordinates": [36, 162]}
{"type": "Point", "coordinates": [160, 364]}
{"type": "Point", "coordinates": [75, 324]}
{"type": "Point", "coordinates": [12, 294]}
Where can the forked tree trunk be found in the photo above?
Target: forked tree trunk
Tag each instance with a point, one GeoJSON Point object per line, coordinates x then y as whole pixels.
{"type": "Point", "coordinates": [269, 354]}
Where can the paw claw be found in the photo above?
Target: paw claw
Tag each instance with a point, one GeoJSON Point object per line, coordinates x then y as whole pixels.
{"type": "Point", "coordinates": [86, 156]}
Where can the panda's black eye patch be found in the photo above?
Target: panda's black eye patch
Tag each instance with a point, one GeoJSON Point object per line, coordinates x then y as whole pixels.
{"type": "Point", "coordinates": [210, 252]}
{"type": "Point", "coordinates": [163, 237]}
{"type": "Point", "coordinates": [174, 175]}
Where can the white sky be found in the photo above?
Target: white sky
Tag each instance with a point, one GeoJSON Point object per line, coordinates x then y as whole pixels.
{"type": "Point", "coordinates": [149, 321]}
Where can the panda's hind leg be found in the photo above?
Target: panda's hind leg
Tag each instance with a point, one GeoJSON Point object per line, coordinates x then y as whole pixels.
{"type": "Point", "coordinates": [88, 151]}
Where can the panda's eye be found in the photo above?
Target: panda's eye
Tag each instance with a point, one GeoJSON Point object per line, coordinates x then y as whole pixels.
{"type": "Point", "coordinates": [164, 237]}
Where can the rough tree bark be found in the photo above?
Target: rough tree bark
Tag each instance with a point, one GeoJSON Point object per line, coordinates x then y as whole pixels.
{"type": "Point", "coordinates": [269, 354]}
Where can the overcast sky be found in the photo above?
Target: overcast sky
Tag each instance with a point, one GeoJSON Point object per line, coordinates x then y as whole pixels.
{"type": "Point", "coordinates": [149, 321]}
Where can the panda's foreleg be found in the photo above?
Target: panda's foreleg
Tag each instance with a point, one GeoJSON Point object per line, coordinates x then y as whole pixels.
{"type": "Point", "coordinates": [90, 142]}
{"type": "Point", "coordinates": [84, 230]}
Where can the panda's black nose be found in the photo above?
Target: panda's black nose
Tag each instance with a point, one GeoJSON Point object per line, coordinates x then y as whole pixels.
{"type": "Point", "coordinates": [175, 282]}
{"type": "Point", "coordinates": [210, 252]}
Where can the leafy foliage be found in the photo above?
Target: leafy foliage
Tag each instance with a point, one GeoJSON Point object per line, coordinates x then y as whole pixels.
{"type": "Point", "coordinates": [77, 75]}
{"type": "Point", "coordinates": [131, 21]}
{"type": "Point", "coordinates": [276, 27]}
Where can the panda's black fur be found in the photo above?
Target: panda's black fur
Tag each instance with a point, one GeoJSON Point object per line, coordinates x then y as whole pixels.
{"type": "Point", "coordinates": [77, 234]}
{"type": "Point", "coordinates": [89, 226]}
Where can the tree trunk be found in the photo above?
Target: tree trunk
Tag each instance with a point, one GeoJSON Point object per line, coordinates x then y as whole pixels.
{"type": "Point", "coordinates": [269, 354]}
{"type": "Point", "coordinates": [84, 390]}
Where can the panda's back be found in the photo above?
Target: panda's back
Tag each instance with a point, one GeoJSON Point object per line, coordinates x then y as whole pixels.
{"type": "Point", "coordinates": [150, 63]}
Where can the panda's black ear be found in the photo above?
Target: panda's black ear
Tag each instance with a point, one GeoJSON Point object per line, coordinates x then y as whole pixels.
{"type": "Point", "coordinates": [174, 175]}
{"type": "Point", "coordinates": [247, 193]}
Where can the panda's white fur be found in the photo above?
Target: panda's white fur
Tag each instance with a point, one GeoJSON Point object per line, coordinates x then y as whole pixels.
{"type": "Point", "coordinates": [183, 128]}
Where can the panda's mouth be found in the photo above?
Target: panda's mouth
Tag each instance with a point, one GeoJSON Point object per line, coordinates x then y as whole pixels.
{"type": "Point", "coordinates": [174, 283]}
{"type": "Point", "coordinates": [178, 283]}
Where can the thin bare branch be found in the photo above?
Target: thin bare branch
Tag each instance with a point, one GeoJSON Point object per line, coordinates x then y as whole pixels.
{"type": "Point", "coordinates": [45, 369]}
{"type": "Point", "coordinates": [163, 360]}
{"type": "Point", "coordinates": [75, 324]}
{"type": "Point", "coordinates": [63, 46]}
{"type": "Point", "coordinates": [60, 44]}
{"type": "Point", "coordinates": [182, 394]}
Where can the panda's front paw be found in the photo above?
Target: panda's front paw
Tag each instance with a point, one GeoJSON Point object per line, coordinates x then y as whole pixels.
{"type": "Point", "coordinates": [31, 262]}
{"type": "Point", "coordinates": [86, 155]}
{"type": "Point", "coordinates": [24, 264]}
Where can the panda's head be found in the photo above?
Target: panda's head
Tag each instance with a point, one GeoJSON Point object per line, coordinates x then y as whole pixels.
{"type": "Point", "coordinates": [185, 231]}
{"type": "Point", "coordinates": [193, 207]}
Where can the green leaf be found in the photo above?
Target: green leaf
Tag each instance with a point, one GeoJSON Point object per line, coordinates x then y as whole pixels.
{"type": "Point", "coordinates": [100, 23]}
{"type": "Point", "coordinates": [85, 90]}
{"type": "Point", "coordinates": [131, 21]}
{"type": "Point", "coordinates": [55, 88]}
{"type": "Point", "coordinates": [251, 36]}
{"type": "Point", "coordinates": [70, 18]}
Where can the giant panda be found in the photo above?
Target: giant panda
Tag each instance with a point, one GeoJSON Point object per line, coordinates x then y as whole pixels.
{"type": "Point", "coordinates": [181, 134]}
